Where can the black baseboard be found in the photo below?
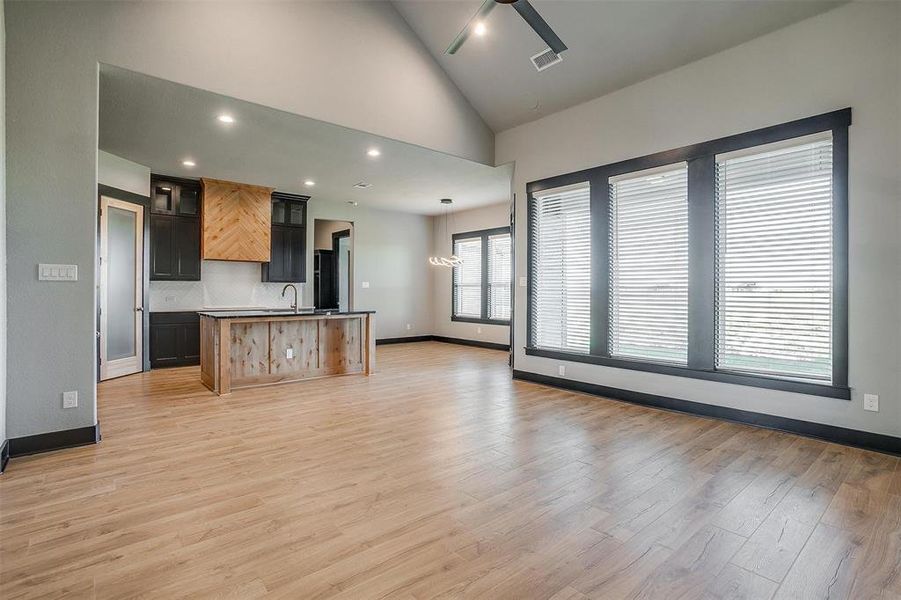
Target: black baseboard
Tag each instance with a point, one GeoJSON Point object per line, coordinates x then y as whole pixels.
{"type": "Point", "coordinates": [476, 343]}
{"type": "Point", "coordinates": [404, 340]}
{"type": "Point", "coordinates": [55, 440]}
{"type": "Point", "coordinates": [446, 340]}
{"type": "Point", "coordinates": [830, 433]}
{"type": "Point", "coordinates": [4, 455]}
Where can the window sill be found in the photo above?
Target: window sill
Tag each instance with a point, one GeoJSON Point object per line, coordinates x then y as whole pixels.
{"type": "Point", "coordinates": [480, 321]}
{"type": "Point", "coordinates": [760, 381]}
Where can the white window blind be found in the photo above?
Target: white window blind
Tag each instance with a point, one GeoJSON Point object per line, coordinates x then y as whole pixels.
{"type": "Point", "coordinates": [561, 269]}
{"type": "Point", "coordinates": [468, 278]}
{"type": "Point", "coordinates": [774, 259]}
{"type": "Point", "coordinates": [649, 265]}
{"type": "Point", "coordinates": [500, 276]}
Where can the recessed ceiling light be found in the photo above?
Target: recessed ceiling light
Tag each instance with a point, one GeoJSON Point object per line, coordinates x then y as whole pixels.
{"type": "Point", "coordinates": [480, 28]}
{"type": "Point", "coordinates": [189, 163]}
{"type": "Point", "coordinates": [374, 152]}
{"type": "Point", "coordinates": [362, 185]}
{"type": "Point", "coordinates": [226, 118]}
{"type": "Point", "coordinates": [309, 183]}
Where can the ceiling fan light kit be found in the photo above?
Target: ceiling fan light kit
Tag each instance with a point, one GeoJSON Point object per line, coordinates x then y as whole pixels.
{"type": "Point", "coordinates": [528, 14]}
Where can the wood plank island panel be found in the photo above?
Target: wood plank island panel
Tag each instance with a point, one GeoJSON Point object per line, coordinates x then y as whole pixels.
{"type": "Point", "coordinates": [249, 349]}
{"type": "Point", "coordinates": [236, 221]}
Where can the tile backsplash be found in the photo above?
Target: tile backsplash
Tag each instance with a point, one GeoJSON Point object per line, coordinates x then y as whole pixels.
{"type": "Point", "coordinates": [224, 285]}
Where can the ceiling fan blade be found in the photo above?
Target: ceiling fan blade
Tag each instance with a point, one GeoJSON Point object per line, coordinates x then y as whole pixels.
{"type": "Point", "coordinates": [544, 31]}
{"type": "Point", "coordinates": [483, 11]}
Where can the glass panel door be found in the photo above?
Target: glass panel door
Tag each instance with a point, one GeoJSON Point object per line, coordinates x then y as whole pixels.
{"type": "Point", "coordinates": [121, 288]}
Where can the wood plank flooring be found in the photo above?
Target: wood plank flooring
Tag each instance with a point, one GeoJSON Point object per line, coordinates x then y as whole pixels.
{"type": "Point", "coordinates": [439, 477]}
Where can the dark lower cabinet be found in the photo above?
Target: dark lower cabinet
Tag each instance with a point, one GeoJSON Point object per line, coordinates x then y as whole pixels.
{"type": "Point", "coordinates": [174, 339]}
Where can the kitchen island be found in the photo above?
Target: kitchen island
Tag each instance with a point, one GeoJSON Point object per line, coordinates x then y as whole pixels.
{"type": "Point", "coordinates": [246, 348]}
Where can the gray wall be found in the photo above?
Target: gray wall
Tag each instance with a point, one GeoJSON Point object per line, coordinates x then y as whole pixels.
{"type": "Point", "coordinates": [2, 225]}
{"type": "Point", "coordinates": [359, 66]}
{"type": "Point", "coordinates": [488, 217]}
{"type": "Point", "coordinates": [390, 253]}
{"type": "Point", "coordinates": [846, 57]}
{"type": "Point", "coordinates": [323, 230]}
{"type": "Point", "coordinates": [123, 174]}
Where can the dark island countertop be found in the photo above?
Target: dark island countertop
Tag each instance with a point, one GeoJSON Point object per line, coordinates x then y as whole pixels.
{"type": "Point", "coordinates": [279, 312]}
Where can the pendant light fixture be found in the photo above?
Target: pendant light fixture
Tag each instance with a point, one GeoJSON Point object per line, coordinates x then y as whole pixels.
{"type": "Point", "coordinates": [444, 261]}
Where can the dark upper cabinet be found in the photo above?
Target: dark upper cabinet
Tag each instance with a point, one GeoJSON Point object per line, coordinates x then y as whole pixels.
{"type": "Point", "coordinates": [187, 249]}
{"type": "Point", "coordinates": [174, 196]}
{"type": "Point", "coordinates": [162, 247]}
{"type": "Point", "coordinates": [288, 251]}
{"type": "Point", "coordinates": [174, 229]}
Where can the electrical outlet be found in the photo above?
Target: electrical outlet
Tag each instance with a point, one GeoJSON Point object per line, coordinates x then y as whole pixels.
{"type": "Point", "coordinates": [478, 330]}
{"type": "Point", "coordinates": [409, 327]}
{"type": "Point", "coordinates": [523, 282]}
{"type": "Point", "coordinates": [364, 284]}
{"type": "Point", "coordinates": [561, 370]}
{"type": "Point", "coordinates": [289, 353]}
{"type": "Point", "coordinates": [871, 402]}
{"type": "Point", "coordinates": [70, 399]}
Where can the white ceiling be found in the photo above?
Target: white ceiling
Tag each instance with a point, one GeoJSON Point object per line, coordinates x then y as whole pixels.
{"type": "Point", "coordinates": [612, 44]}
{"type": "Point", "coordinates": [158, 124]}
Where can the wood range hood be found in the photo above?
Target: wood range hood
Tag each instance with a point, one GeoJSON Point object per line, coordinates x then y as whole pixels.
{"type": "Point", "coordinates": [236, 221]}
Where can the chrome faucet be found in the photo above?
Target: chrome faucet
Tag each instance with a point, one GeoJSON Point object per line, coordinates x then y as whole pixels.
{"type": "Point", "coordinates": [285, 289]}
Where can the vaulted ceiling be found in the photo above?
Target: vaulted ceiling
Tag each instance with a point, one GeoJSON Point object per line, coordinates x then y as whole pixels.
{"type": "Point", "coordinates": [612, 44]}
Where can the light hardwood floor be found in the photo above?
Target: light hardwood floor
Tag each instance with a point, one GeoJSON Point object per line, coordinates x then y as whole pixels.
{"type": "Point", "coordinates": [439, 477]}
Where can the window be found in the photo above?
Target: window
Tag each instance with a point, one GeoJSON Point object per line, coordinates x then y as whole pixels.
{"type": "Point", "coordinates": [500, 276]}
{"type": "Point", "coordinates": [468, 278]}
{"type": "Point", "coordinates": [774, 259]}
{"type": "Point", "coordinates": [560, 269]}
{"type": "Point", "coordinates": [725, 260]}
{"type": "Point", "coordinates": [482, 282]}
{"type": "Point", "coordinates": [649, 264]}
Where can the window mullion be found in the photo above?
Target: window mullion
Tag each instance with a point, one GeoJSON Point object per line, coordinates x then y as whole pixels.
{"type": "Point", "coordinates": [600, 271]}
{"type": "Point", "coordinates": [701, 262]}
{"type": "Point", "coordinates": [485, 275]}
{"type": "Point", "coordinates": [840, 256]}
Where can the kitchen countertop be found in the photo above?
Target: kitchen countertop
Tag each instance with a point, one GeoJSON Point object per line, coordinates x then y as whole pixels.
{"type": "Point", "coordinates": [278, 312]}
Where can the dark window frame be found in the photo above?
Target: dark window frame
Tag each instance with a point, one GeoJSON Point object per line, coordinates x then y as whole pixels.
{"type": "Point", "coordinates": [701, 313]}
{"type": "Point", "coordinates": [483, 235]}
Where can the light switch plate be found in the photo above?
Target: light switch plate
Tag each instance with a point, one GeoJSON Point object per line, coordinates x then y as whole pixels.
{"type": "Point", "coordinates": [364, 284]}
{"type": "Point", "coordinates": [289, 353]}
{"type": "Point", "coordinates": [49, 272]}
{"type": "Point", "coordinates": [523, 282]}
{"type": "Point", "coordinates": [70, 399]}
{"type": "Point", "coordinates": [871, 402]}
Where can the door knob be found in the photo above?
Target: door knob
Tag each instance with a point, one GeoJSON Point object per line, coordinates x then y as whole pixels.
{"type": "Point", "coordinates": [139, 309]}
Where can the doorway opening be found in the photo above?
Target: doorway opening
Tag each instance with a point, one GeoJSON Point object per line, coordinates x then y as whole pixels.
{"type": "Point", "coordinates": [121, 289]}
{"type": "Point", "coordinates": [333, 264]}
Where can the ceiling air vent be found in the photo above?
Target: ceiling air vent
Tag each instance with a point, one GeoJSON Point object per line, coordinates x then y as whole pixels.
{"type": "Point", "coordinates": [546, 58]}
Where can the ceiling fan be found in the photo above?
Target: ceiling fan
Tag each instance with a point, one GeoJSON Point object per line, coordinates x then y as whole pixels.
{"type": "Point", "coordinates": [525, 10]}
